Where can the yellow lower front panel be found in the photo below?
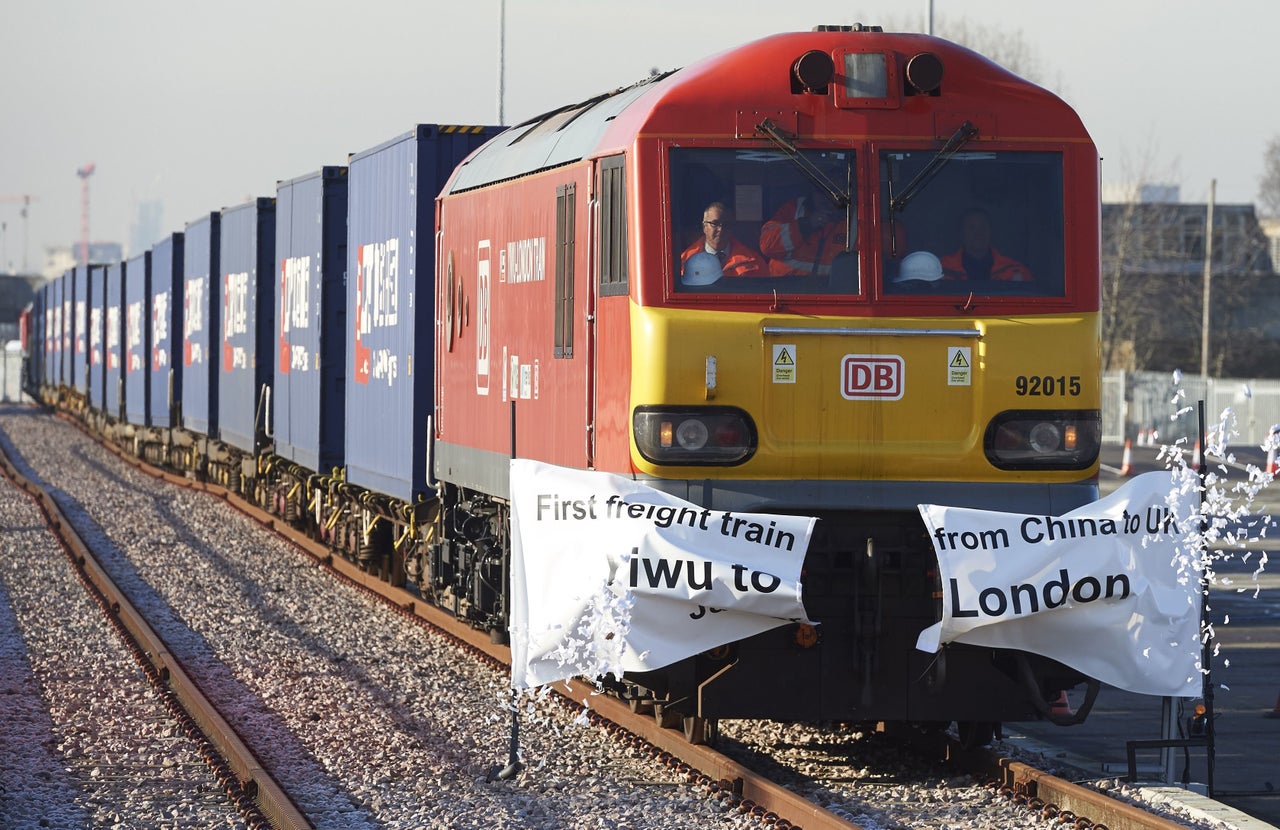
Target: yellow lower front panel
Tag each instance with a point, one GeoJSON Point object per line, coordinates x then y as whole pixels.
{"type": "Point", "coordinates": [866, 399]}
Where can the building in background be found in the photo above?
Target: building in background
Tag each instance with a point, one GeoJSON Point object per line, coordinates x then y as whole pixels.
{"type": "Point", "coordinates": [1271, 227]}
{"type": "Point", "coordinates": [1153, 287]}
{"type": "Point", "coordinates": [147, 226]}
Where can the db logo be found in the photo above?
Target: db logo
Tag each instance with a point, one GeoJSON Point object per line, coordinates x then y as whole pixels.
{"type": "Point", "coordinates": [871, 377]}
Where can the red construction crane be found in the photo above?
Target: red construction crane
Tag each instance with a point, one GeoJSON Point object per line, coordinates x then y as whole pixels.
{"type": "Point", "coordinates": [25, 199]}
{"type": "Point", "coordinates": [84, 173]}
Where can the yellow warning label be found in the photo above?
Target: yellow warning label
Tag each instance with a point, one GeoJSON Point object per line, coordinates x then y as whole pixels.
{"type": "Point", "coordinates": [959, 360]}
{"type": "Point", "coordinates": [784, 363]}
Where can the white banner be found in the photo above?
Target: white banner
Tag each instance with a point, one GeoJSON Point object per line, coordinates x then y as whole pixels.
{"type": "Point", "coordinates": [1108, 589]}
{"type": "Point", "coordinates": [609, 575]}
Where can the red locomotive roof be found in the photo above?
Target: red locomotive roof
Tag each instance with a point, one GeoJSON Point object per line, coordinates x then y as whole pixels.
{"type": "Point", "coordinates": [706, 97]}
{"type": "Point", "coordinates": [718, 96]}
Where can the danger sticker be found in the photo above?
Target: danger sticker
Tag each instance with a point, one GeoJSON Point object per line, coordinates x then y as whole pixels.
{"type": "Point", "coordinates": [959, 366]}
{"type": "Point", "coordinates": [784, 364]}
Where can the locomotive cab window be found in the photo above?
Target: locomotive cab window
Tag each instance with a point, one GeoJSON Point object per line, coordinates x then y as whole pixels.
{"type": "Point", "coordinates": [981, 223]}
{"type": "Point", "coordinates": [761, 221]}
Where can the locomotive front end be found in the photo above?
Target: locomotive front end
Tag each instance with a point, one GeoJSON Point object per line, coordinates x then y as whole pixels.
{"type": "Point", "coordinates": [877, 290]}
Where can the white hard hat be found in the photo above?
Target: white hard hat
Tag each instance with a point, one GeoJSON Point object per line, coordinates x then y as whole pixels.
{"type": "Point", "coordinates": [701, 269]}
{"type": "Point", "coordinates": [919, 265]}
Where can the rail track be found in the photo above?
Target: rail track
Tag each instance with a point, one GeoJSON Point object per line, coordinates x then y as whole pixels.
{"type": "Point", "coordinates": [751, 792]}
{"type": "Point", "coordinates": [250, 787]}
{"type": "Point", "coordinates": [633, 723]}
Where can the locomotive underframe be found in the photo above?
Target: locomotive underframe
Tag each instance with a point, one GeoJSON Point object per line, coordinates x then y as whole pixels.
{"type": "Point", "coordinates": [452, 550]}
{"type": "Point", "coordinates": [870, 579]}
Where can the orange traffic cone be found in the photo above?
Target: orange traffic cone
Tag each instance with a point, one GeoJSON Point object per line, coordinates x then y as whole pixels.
{"type": "Point", "coordinates": [1062, 707]}
{"type": "Point", "coordinates": [1271, 461]}
{"type": "Point", "coordinates": [1195, 456]}
{"type": "Point", "coordinates": [1126, 461]}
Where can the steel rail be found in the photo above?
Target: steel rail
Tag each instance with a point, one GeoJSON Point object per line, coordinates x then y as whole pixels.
{"type": "Point", "coordinates": [1064, 797]}
{"type": "Point", "coordinates": [254, 781]}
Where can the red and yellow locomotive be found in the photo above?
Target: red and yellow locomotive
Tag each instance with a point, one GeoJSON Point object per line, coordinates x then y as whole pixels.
{"type": "Point", "coordinates": [836, 273]}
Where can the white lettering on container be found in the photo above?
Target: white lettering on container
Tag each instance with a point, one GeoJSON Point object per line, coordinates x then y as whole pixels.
{"type": "Point", "coordinates": [133, 336]}
{"type": "Point", "coordinates": [159, 330]}
{"type": "Point", "coordinates": [113, 337]}
{"type": "Point", "coordinates": [295, 289]}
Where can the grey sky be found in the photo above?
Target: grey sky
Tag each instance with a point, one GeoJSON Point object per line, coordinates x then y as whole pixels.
{"type": "Point", "coordinates": [203, 105]}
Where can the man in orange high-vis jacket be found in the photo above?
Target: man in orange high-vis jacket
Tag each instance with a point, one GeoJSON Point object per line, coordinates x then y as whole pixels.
{"type": "Point", "coordinates": [976, 259]}
{"type": "Point", "coordinates": [802, 238]}
{"type": "Point", "coordinates": [736, 258]}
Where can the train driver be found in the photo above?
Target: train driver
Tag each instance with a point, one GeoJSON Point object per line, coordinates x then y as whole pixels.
{"type": "Point", "coordinates": [737, 259]}
{"type": "Point", "coordinates": [976, 259]}
{"type": "Point", "coordinates": [803, 237]}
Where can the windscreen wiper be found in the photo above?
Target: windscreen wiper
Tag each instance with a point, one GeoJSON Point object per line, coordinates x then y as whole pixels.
{"type": "Point", "coordinates": [961, 137]}
{"type": "Point", "coordinates": [839, 198]}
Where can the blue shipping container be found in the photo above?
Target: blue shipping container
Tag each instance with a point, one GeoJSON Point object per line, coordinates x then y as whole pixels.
{"type": "Point", "coordinates": [248, 322]}
{"type": "Point", "coordinates": [49, 377]}
{"type": "Point", "coordinates": [201, 318]}
{"type": "Point", "coordinates": [33, 367]}
{"type": "Point", "coordinates": [113, 342]}
{"type": "Point", "coordinates": [80, 328]}
{"type": "Point", "coordinates": [50, 302]}
{"type": "Point", "coordinates": [33, 372]}
{"type": "Point", "coordinates": [137, 292]}
{"type": "Point", "coordinates": [310, 351]}
{"type": "Point", "coordinates": [67, 301]}
{"type": "Point", "coordinates": [165, 322]}
{"type": "Point", "coordinates": [390, 269]}
{"type": "Point", "coordinates": [97, 327]}
{"type": "Point", "coordinates": [55, 331]}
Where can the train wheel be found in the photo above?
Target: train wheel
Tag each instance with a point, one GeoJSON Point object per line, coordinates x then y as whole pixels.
{"type": "Point", "coordinates": [975, 734]}
{"type": "Point", "coordinates": [664, 717]}
{"type": "Point", "coordinates": [396, 576]}
{"type": "Point", "coordinates": [640, 705]}
{"type": "Point", "coordinates": [372, 549]}
{"type": "Point", "coordinates": [700, 730]}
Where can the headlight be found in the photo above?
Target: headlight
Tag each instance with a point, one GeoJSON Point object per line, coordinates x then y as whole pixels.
{"type": "Point", "coordinates": [719, 435]}
{"type": "Point", "coordinates": [1044, 439]}
{"type": "Point", "coordinates": [692, 434]}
